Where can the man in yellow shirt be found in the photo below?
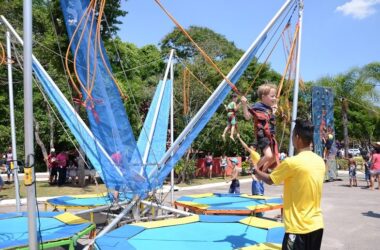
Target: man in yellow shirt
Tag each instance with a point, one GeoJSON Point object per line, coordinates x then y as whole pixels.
{"type": "Point", "coordinates": [303, 177]}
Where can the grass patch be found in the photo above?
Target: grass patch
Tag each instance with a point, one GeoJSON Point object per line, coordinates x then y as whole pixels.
{"type": "Point", "coordinates": [204, 180]}
{"type": "Point", "coordinates": [43, 189]}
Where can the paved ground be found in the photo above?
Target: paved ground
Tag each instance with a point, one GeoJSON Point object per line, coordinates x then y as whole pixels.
{"type": "Point", "coordinates": [351, 215]}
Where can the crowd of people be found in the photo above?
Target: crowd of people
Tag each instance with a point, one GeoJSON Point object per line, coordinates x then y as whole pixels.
{"type": "Point", "coordinates": [371, 168]}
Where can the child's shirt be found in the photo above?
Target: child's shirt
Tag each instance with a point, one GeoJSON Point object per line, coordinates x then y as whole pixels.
{"type": "Point", "coordinates": [263, 108]}
{"type": "Point", "coordinates": [231, 108]}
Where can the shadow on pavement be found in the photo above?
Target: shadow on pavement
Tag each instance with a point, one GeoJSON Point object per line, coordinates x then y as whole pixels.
{"type": "Point", "coordinates": [371, 214]}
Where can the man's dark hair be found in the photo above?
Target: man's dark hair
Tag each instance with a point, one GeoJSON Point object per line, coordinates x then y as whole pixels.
{"type": "Point", "coordinates": [305, 130]}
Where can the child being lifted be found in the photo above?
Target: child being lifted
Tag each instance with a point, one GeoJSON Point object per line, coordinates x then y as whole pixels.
{"type": "Point", "coordinates": [264, 124]}
{"type": "Point", "coordinates": [231, 108]}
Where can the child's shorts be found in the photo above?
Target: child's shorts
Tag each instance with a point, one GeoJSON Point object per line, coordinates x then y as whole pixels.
{"type": "Point", "coordinates": [352, 174]}
{"type": "Point", "coordinates": [367, 176]}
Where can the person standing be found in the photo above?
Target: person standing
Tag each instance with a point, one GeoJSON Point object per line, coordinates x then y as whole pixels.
{"type": "Point", "coordinates": [62, 160]}
{"type": "Point", "coordinates": [303, 177]}
{"type": "Point", "coordinates": [375, 166]}
{"type": "Point", "coordinates": [235, 184]}
{"type": "Point", "coordinates": [352, 170]}
{"type": "Point", "coordinates": [53, 167]}
{"type": "Point", "coordinates": [209, 164]}
{"type": "Point", "coordinates": [223, 165]}
{"type": "Point", "coordinates": [9, 158]}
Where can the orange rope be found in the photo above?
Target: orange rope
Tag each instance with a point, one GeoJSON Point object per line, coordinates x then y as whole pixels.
{"type": "Point", "coordinates": [203, 53]}
{"type": "Point", "coordinates": [263, 64]}
{"type": "Point", "coordinates": [91, 72]}
{"type": "Point", "coordinates": [88, 96]}
{"type": "Point", "coordinates": [184, 91]}
{"type": "Point", "coordinates": [290, 57]}
{"type": "Point", "coordinates": [204, 85]}
{"type": "Point", "coordinates": [2, 58]}
{"type": "Point", "coordinates": [101, 52]}
{"type": "Point", "coordinates": [73, 84]}
{"type": "Point", "coordinates": [90, 83]}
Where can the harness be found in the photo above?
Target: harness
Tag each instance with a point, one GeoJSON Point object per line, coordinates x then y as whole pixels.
{"type": "Point", "coordinates": [262, 121]}
{"type": "Point", "coordinates": [231, 111]}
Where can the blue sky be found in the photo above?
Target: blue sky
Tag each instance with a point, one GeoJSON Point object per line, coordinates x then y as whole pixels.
{"type": "Point", "coordinates": [337, 34]}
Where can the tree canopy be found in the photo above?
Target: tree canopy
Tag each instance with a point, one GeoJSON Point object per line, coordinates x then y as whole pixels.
{"type": "Point", "coordinates": [139, 69]}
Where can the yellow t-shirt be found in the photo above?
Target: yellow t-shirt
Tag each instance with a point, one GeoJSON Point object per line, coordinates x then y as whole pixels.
{"type": "Point", "coordinates": [303, 177]}
{"type": "Point", "coordinates": [255, 157]}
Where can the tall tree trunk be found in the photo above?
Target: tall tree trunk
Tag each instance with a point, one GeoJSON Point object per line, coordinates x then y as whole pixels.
{"type": "Point", "coordinates": [40, 142]}
{"type": "Point", "coordinates": [51, 125]}
{"type": "Point", "coordinates": [345, 125]}
{"type": "Point", "coordinates": [80, 161]}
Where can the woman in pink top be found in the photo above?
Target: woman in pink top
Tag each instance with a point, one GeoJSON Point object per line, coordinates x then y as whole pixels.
{"type": "Point", "coordinates": [375, 167]}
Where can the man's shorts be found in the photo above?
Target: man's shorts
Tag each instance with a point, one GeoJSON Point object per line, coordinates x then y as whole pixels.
{"type": "Point", "coordinates": [257, 187]}
{"type": "Point", "coordinates": [310, 241]}
{"type": "Point", "coordinates": [1, 182]}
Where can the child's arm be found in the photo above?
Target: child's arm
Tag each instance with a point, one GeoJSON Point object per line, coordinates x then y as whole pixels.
{"type": "Point", "coordinates": [245, 146]}
{"type": "Point", "coordinates": [246, 113]}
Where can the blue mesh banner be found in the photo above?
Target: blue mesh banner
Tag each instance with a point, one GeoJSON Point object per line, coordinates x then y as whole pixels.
{"type": "Point", "coordinates": [153, 136]}
{"type": "Point", "coordinates": [323, 119]}
{"type": "Point", "coordinates": [106, 113]}
{"type": "Point", "coordinates": [78, 128]}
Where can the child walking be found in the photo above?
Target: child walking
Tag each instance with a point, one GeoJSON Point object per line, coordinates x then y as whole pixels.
{"type": "Point", "coordinates": [352, 170]}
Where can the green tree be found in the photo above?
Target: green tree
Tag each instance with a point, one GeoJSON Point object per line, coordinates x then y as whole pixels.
{"type": "Point", "coordinates": [356, 87]}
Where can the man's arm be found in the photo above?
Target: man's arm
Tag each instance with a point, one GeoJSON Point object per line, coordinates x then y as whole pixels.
{"type": "Point", "coordinates": [246, 113]}
{"type": "Point", "coordinates": [262, 176]}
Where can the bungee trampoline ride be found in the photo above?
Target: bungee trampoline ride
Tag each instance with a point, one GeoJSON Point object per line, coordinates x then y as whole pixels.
{"type": "Point", "coordinates": [234, 204]}
{"type": "Point", "coordinates": [196, 232]}
{"type": "Point", "coordinates": [140, 167]}
{"type": "Point", "coordinates": [54, 230]}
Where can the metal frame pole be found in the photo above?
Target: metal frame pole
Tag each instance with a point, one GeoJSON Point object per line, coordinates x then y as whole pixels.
{"type": "Point", "coordinates": [172, 128]}
{"type": "Point", "coordinates": [115, 221]}
{"type": "Point", "coordinates": [13, 127]}
{"type": "Point", "coordinates": [28, 123]}
{"type": "Point", "coordinates": [296, 82]}
{"type": "Point", "coordinates": [155, 117]}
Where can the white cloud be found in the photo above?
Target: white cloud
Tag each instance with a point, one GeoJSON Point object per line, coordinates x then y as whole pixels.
{"type": "Point", "coordinates": [359, 9]}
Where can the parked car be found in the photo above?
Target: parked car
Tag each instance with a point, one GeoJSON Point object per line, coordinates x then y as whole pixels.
{"type": "Point", "coordinates": [354, 151]}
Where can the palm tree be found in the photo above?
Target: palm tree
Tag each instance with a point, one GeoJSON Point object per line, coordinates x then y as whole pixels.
{"type": "Point", "coordinates": [355, 86]}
